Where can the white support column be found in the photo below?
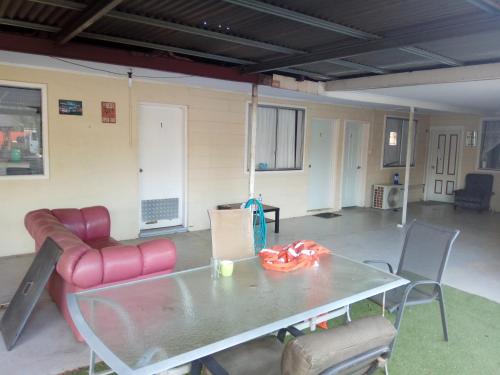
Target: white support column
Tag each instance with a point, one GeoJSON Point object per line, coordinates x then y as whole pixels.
{"type": "Point", "coordinates": [409, 154]}
{"type": "Point", "coordinates": [253, 138]}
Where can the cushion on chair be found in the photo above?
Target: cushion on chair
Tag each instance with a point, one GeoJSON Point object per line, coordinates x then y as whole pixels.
{"type": "Point", "coordinates": [260, 356]}
{"type": "Point", "coordinates": [479, 182]}
{"type": "Point", "coordinates": [314, 353]}
{"type": "Point", "coordinates": [471, 196]}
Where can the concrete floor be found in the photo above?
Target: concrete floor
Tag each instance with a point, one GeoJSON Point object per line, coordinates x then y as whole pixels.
{"type": "Point", "coordinates": [47, 345]}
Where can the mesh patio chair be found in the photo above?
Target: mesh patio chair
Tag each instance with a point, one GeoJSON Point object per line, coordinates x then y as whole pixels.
{"type": "Point", "coordinates": [232, 234]}
{"type": "Point", "coordinates": [358, 347]}
{"type": "Point", "coordinates": [426, 249]}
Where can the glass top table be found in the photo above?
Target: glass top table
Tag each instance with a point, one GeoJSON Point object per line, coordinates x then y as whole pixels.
{"type": "Point", "coordinates": [155, 324]}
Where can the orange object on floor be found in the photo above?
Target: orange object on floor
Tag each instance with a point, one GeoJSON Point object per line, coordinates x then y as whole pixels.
{"type": "Point", "coordinates": [304, 253]}
{"type": "Point", "coordinates": [323, 325]}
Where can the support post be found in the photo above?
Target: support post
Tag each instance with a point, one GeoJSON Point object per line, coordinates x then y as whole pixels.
{"type": "Point", "coordinates": [253, 138]}
{"type": "Point", "coordinates": [409, 154]}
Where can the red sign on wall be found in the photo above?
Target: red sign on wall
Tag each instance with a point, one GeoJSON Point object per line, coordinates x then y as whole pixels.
{"type": "Point", "coordinates": [108, 112]}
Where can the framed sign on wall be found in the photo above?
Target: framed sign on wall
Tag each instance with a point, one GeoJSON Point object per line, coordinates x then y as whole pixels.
{"type": "Point", "coordinates": [108, 112]}
{"type": "Point", "coordinates": [70, 107]}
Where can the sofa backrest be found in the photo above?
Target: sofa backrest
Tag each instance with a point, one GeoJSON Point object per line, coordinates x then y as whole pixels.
{"type": "Point", "coordinates": [89, 223]}
{"type": "Point", "coordinates": [479, 182]}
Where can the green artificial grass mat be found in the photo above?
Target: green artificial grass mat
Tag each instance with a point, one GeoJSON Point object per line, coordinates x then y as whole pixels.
{"type": "Point", "coordinates": [474, 337]}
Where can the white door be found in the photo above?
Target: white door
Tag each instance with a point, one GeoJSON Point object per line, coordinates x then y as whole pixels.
{"type": "Point", "coordinates": [321, 164]}
{"type": "Point", "coordinates": [443, 164]}
{"type": "Point", "coordinates": [351, 177]}
{"type": "Point", "coordinates": [162, 165]}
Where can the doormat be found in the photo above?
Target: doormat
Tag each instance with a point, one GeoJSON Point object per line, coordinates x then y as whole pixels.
{"type": "Point", "coordinates": [327, 215]}
{"type": "Point", "coordinates": [434, 203]}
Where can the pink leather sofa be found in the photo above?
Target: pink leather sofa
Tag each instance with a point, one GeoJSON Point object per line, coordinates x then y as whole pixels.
{"type": "Point", "coordinates": [91, 258]}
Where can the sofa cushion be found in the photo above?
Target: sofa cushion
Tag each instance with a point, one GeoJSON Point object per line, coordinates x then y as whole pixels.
{"type": "Point", "coordinates": [97, 222]}
{"type": "Point", "coordinates": [121, 262]}
{"type": "Point", "coordinates": [469, 196]}
{"type": "Point", "coordinates": [479, 182]}
{"type": "Point", "coordinates": [72, 219]}
{"type": "Point", "coordinates": [88, 223]}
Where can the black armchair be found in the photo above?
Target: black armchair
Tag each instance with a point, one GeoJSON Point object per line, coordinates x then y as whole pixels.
{"type": "Point", "coordinates": [477, 192]}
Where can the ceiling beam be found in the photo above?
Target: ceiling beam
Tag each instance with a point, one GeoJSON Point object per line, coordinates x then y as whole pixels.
{"type": "Point", "coordinates": [482, 72]}
{"type": "Point", "coordinates": [80, 51]}
{"type": "Point", "coordinates": [356, 66]}
{"type": "Point", "coordinates": [387, 100]}
{"type": "Point", "coordinates": [436, 30]}
{"type": "Point", "coordinates": [156, 46]}
{"type": "Point", "coordinates": [164, 47]}
{"type": "Point", "coordinates": [274, 10]}
{"type": "Point", "coordinates": [431, 56]}
{"type": "Point", "coordinates": [90, 15]}
{"type": "Point", "coordinates": [486, 5]}
{"type": "Point", "coordinates": [29, 25]}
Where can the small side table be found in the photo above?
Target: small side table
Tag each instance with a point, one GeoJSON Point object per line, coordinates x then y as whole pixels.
{"type": "Point", "coordinates": [266, 207]}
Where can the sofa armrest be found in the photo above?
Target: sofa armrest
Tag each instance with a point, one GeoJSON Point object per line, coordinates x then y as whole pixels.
{"type": "Point", "coordinates": [117, 263]}
{"type": "Point", "coordinates": [81, 266]}
{"type": "Point", "coordinates": [158, 255]}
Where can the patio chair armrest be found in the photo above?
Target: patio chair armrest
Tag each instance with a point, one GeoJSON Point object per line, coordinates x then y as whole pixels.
{"type": "Point", "coordinates": [376, 261]}
{"type": "Point", "coordinates": [295, 332]}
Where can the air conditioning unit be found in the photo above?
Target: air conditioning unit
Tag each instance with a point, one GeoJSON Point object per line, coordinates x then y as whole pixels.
{"type": "Point", "coordinates": [387, 196]}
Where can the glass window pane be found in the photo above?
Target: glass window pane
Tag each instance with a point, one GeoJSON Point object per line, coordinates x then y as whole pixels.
{"type": "Point", "coordinates": [490, 145]}
{"type": "Point", "coordinates": [285, 146]}
{"type": "Point", "coordinates": [21, 147]}
{"type": "Point", "coordinates": [396, 138]}
{"type": "Point", "coordinates": [393, 138]}
{"type": "Point", "coordinates": [280, 138]}
{"type": "Point", "coordinates": [392, 152]}
{"type": "Point", "coordinates": [299, 141]}
{"type": "Point", "coordinates": [404, 142]}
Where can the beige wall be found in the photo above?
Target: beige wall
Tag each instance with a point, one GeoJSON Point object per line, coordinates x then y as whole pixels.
{"type": "Point", "coordinates": [95, 163]}
{"type": "Point", "coordinates": [470, 155]}
{"type": "Point", "coordinates": [90, 162]}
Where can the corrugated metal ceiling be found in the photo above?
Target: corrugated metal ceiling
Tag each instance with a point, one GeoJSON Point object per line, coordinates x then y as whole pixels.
{"type": "Point", "coordinates": [380, 17]}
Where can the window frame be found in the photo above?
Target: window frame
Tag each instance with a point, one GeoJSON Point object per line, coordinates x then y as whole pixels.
{"type": "Point", "coordinates": [480, 144]}
{"type": "Point", "coordinates": [248, 106]}
{"type": "Point", "coordinates": [382, 166]}
{"type": "Point", "coordinates": [44, 129]}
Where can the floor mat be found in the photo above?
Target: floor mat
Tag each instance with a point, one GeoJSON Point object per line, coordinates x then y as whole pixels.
{"type": "Point", "coordinates": [327, 215]}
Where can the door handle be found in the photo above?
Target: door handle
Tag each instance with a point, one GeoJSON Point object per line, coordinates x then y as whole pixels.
{"type": "Point", "coordinates": [140, 170]}
{"type": "Point", "coordinates": [433, 167]}
{"type": "Point", "coordinates": [309, 165]}
{"type": "Point", "coordinates": [358, 167]}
